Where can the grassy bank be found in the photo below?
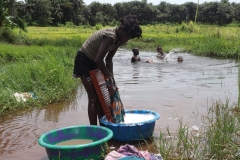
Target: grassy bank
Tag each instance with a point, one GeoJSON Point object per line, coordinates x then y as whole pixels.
{"type": "Point", "coordinates": [41, 60]}
{"type": "Point", "coordinates": [46, 71]}
{"type": "Point", "coordinates": [218, 138]}
{"type": "Point", "coordinates": [206, 40]}
{"type": "Point", "coordinates": [196, 39]}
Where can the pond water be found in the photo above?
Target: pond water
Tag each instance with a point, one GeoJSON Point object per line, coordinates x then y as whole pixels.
{"type": "Point", "coordinates": [174, 90]}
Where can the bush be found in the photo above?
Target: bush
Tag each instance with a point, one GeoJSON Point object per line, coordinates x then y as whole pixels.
{"type": "Point", "coordinates": [69, 24]}
{"type": "Point", "coordinates": [98, 26]}
{"type": "Point", "coordinates": [7, 35]}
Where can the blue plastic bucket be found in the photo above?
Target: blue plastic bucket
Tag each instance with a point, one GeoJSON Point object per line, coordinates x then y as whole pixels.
{"type": "Point", "coordinates": [132, 131]}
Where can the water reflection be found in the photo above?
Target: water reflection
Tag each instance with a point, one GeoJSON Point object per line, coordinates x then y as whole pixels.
{"type": "Point", "coordinates": [136, 70]}
{"type": "Point", "coordinates": [52, 112]}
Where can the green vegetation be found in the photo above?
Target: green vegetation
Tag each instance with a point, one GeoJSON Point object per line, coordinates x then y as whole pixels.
{"type": "Point", "coordinates": [218, 137]}
{"type": "Point", "coordinates": [208, 40]}
{"type": "Point", "coordinates": [198, 39]}
{"type": "Point", "coordinates": [46, 71]}
{"type": "Point", "coordinates": [41, 60]}
{"type": "Point", "coordinates": [62, 12]}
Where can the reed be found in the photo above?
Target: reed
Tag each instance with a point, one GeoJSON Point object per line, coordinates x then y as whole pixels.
{"type": "Point", "coordinates": [203, 40]}
{"type": "Point", "coordinates": [217, 138]}
{"type": "Point", "coordinates": [46, 71]}
{"type": "Point", "coordinates": [206, 40]}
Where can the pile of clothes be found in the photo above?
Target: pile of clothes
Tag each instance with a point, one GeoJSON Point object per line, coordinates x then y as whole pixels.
{"type": "Point", "coordinates": [23, 96]}
{"type": "Point", "coordinates": [129, 152]}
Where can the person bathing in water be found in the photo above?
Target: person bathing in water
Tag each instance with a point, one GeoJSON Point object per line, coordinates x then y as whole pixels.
{"type": "Point", "coordinates": [180, 59]}
{"type": "Point", "coordinates": [97, 52]}
{"type": "Point", "coordinates": [161, 54]}
{"type": "Point", "coordinates": [165, 57]}
{"type": "Point", "coordinates": [135, 57]}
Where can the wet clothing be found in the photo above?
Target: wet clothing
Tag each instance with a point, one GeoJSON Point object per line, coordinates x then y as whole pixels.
{"type": "Point", "coordinates": [91, 46]}
{"type": "Point", "coordinates": [84, 60]}
{"type": "Point", "coordinates": [129, 150]}
{"type": "Point", "coordinates": [161, 55]}
{"type": "Point", "coordinates": [135, 59]}
{"type": "Point", "coordinates": [116, 105]}
{"type": "Point", "coordinates": [83, 65]}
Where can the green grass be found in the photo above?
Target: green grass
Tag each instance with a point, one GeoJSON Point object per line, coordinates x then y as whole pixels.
{"type": "Point", "coordinates": [218, 138]}
{"type": "Point", "coordinates": [206, 40]}
{"type": "Point", "coordinates": [41, 60]}
{"type": "Point", "coordinates": [46, 71]}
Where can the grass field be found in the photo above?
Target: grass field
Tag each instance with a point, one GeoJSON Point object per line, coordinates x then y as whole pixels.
{"type": "Point", "coordinates": [198, 39]}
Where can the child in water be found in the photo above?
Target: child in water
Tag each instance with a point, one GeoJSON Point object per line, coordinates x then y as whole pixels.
{"type": "Point", "coordinates": [135, 57]}
{"type": "Point", "coordinates": [180, 59]}
{"type": "Point", "coordinates": [161, 54]}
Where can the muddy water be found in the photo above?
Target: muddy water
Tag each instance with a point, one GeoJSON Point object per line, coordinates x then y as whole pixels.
{"type": "Point", "coordinates": [173, 90]}
{"type": "Point", "coordinates": [73, 142]}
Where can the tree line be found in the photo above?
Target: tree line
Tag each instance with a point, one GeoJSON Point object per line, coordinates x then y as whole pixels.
{"type": "Point", "coordinates": [61, 12]}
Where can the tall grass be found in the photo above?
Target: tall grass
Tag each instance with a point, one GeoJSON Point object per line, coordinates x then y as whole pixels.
{"type": "Point", "coordinates": [46, 71]}
{"type": "Point", "coordinates": [207, 40]}
{"type": "Point", "coordinates": [41, 60]}
{"type": "Point", "coordinates": [218, 138]}
{"type": "Point", "coordinates": [203, 40]}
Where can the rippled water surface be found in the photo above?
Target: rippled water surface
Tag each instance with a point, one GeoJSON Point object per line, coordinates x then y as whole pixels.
{"type": "Point", "coordinates": [174, 90]}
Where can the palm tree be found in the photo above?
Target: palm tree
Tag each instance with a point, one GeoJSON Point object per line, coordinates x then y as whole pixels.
{"type": "Point", "coordinates": [78, 7]}
{"type": "Point", "coordinates": [8, 19]}
{"type": "Point", "coordinates": [11, 8]}
{"type": "Point", "coordinates": [57, 13]}
{"type": "Point", "coordinates": [3, 12]}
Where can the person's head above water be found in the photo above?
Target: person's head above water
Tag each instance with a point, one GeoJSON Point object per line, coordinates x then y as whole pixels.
{"type": "Point", "coordinates": [179, 59]}
{"type": "Point", "coordinates": [159, 49]}
{"type": "Point", "coordinates": [135, 51]}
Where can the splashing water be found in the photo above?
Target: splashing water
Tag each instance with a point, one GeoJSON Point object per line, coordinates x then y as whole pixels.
{"type": "Point", "coordinates": [170, 57]}
{"type": "Point", "coordinates": [154, 59]}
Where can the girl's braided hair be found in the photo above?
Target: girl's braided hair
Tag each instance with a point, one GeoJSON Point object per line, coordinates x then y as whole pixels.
{"type": "Point", "coordinates": [130, 25]}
